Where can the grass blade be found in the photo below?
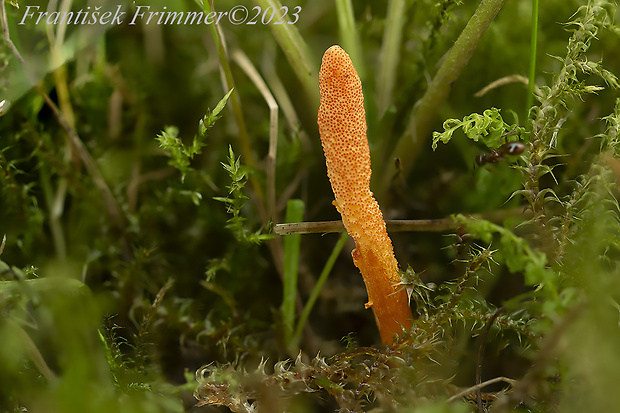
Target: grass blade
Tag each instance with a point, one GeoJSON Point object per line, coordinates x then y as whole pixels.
{"type": "Point", "coordinates": [390, 53]}
{"type": "Point", "coordinates": [349, 35]}
{"type": "Point", "coordinates": [317, 288]}
{"type": "Point", "coordinates": [294, 213]}
{"type": "Point", "coordinates": [533, 47]}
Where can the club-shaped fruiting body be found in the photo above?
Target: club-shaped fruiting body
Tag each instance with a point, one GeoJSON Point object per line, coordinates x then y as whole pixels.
{"type": "Point", "coordinates": [342, 126]}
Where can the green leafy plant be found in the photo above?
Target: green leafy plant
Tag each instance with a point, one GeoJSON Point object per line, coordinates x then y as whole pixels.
{"type": "Point", "coordinates": [235, 201]}
{"type": "Point", "coordinates": [488, 126]}
{"type": "Point", "coordinates": [182, 155]}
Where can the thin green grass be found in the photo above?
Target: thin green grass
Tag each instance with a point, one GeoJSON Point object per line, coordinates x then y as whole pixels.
{"type": "Point", "coordinates": [294, 48]}
{"type": "Point", "coordinates": [389, 59]}
{"type": "Point", "coordinates": [314, 295]}
{"type": "Point", "coordinates": [349, 35]}
{"type": "Point", "coordinates": [533, 49]}
{"type": "Point", "coordinates": [292, 244]}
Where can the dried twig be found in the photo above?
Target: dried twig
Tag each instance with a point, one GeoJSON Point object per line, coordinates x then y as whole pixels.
{"type": "Point", "coordinates": [402, 225]}
{"type": "Point", "coordinates": [482, 385]}
{"type": "Point", "coordinates": [396, 225]}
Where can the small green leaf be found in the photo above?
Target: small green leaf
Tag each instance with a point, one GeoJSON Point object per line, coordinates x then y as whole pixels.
{"type": "Point", "coordinates": [208, 121]}
{"type": "Point", "coordinates": [489, 127]}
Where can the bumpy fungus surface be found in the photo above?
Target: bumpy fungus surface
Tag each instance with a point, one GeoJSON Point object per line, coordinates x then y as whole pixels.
{"type": "Point", "coordinates": [342, 126]}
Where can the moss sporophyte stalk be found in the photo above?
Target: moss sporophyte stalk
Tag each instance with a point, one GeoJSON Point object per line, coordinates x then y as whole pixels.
{"type": "Point", "coordinates": [342, 126]}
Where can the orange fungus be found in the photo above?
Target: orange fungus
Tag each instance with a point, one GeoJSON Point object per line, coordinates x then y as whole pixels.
{"type": "Point", "coordinates": [342, 126]}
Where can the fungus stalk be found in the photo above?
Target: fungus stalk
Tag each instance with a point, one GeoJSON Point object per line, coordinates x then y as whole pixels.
{"type": "Point", "coordinates": [342, 126]}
